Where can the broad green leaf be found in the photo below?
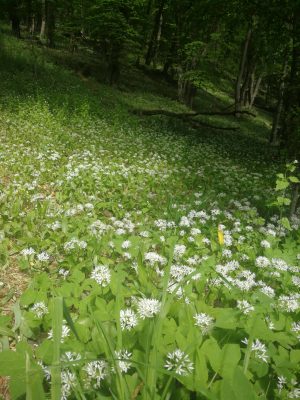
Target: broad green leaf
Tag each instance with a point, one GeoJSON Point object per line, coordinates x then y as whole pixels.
{"type": "Point", "coordinates": [294, 179]}
{"type": "Point", "coordinates": [230, 357]}
{"type": "Point", "coordinates": [12, 363]}
{"type": "Point", "coordinates": [226, 391]}
{"type": "Point", "coordinates": [285, 223]}
{"type": "Point", "coordinates": [34, 381]}
{"type": "Point", "coordinates": [281, 184]}
{"type": "Point", "coordinates": [241, 386]}
{"type": "Point", "coordinates": [213, 353]}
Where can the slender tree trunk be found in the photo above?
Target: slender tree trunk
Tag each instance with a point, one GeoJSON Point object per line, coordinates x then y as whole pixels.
{"type": "Point", "coordinates": [15, 26]}
{"type": "Point", "coordinates": [145, 29]}
{"type": "Point", "coordinates": [14, 18]}
{"type": "Point", "coordinates": [291, 122]}
{"type": "Point", "coordinates": [43, 21]}
{"type": "Point", "coordinates": [254, 89]}
{"type": "Point", "coordinates": [238, 104]}
{"type": "Point", "coordinates": [156, 33]}
{"type": "Point", "coordinates": [279, 107]}
{"type": "Point", "coordinates": [295, 199]}
{"type": "Point", "coordinates": [28, 15]}
{"type": "Point", "coordinates": [186, 89]}
{"type": "Point", "coordinates": [50, 23]}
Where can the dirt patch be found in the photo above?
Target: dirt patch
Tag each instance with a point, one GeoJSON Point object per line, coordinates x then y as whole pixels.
{"type": "Point", "coordinates": [4, 391]}
{"type": "Point", "coordinates": [13, 283]}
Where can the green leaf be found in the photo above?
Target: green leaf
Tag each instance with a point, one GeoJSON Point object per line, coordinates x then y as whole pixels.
{"type": "Point", "coordinates": [285, 223]}
{"type": "Point", "coordinates": [12, 363]}
{"type": "Point", "coordinates": [242, 388]}
{"type": "Point", "coordinates": [281, 184]}
{"type": "Point", "coordinates": [213, 353]}
{"type": "Point", "coordinates": [57, 322]}
{"type": "Point", "coordinates": [294, 179]}
{"type": "Point", "coordinates": [34, 381]}
{"type": "Point", "coordinates": [226, 391]}
{"type": "Point", "coordinates": [231, 355]}
{"type": "Point", "coordinates": [295, 356]}
{"type": "Point", "coordinates": [283, 201]}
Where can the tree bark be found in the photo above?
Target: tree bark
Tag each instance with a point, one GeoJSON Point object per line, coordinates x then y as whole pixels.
{"type": "Point", "coordinates": [50, 23]}
{"type": "Point", "coordinates": [295, 199]}
{"type": "Point", "coordinates": [14, 18]}
{"type": "Point", "coordinates": [238, 85]}
{"type": "Point", "coordinates": [156, 34]}
{"type": "Point", "coordinates": [43, 20]}
{"type": "Point", "coordinates": [291, 135]}
{"type": "Point", "coordinates": [279, 108]}
{"type": "Point", "coordinates": [255, 89]}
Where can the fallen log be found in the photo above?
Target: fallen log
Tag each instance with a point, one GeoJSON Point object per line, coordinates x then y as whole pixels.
{"type": "Point", "coordinates": [187, 117]}
{"type": "Point", "coordinates": [189, 114]}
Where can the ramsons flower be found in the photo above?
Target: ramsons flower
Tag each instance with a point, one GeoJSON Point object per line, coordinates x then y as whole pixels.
{"type": "Point", "coordinates": [179, 362]}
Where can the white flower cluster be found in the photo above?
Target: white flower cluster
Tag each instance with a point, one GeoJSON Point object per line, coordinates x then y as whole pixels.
{"type": "Point", "coordinates": [64, 334]}
{"type": "Point", "coordinates": [179, 362]}
{"type": "Point", "coordinates": [99, 228]}
{"type": "Point", "coordinates": [148, 308]}
{"type": "Point", "coordinates": [204, 322]}
{"type": "Point", "coordinates": [154, 258]}
{"type": "Point", "coordinates": [258, 348]}
{"type": "Point", "coordinates": [39, 309]}
{"type": "Point", "coordinates": [123, 360]}
{"type": "Point", "coordinates": [75, 244]}
{"type": "Point", "coordinates": [244, 306]}
{"type": "Point", "coordinates": [128, 319]}
{"type": "Point", "coordinates": [96, 372]}
{"type": "Point", "coordinates": [101, 274]}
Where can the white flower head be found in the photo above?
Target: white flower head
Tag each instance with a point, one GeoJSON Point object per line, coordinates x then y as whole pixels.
{"type": "Point", "coordinates": [28, 252]}
{"type": "Point", "coordinates": [179, 250]}
{"type": "Point", "coordinates": [123, 360]}
{"type": "Point", "coordinates": [179, 362]}
{"type": "Point", "coordinates": [101, 274]}
{"type": "Point", "coordinates": [64, 334]}
{"type": "Point", "coordinates": [128, 319]}
{"type": "Point", "coordinates": [244, 306]}
{"type": "Point", "coordinates": [204, 321]}
{"type": "Point", "coordinates": [96, 371]}
{"type": "Point", "coordinates": [265, 244]}
{"type": "Point", "coordinates": [68, 381]}
{"type": "Point", "coordinates": [39, 309]}
{"type": "Point", "coordinates": [43, 256]}
{"type": "Point", "coordinates": [126, 244]}
{"type": "Point", "coordinates": [259, 349]}
{"type": "Point", "coordinates": [148, 308]}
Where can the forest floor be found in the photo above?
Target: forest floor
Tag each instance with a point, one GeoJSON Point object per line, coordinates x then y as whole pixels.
{"type": "Point", "coordinates": [108, 209]}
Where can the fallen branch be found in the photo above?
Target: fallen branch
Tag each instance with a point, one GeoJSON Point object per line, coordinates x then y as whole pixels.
{"type": "Point", "coordinates": [187, 117]}
{"type": "Point", "coordinates": [189, 114]}
{"type": "Point", "coordinates": [197, 123]}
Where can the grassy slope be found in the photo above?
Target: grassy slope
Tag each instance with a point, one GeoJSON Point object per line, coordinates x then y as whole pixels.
{"type": "Point", "coordinates": [147, 165]}
{"type": "Point", "coordinates": [40, 99]}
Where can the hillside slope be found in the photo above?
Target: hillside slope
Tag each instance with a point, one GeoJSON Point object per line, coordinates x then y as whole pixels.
{"type": "Point", "coordinates": [157, 236]}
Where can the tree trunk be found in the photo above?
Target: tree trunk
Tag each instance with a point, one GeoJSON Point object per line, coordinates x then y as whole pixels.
{"type": "Point", "coordinates": [254, 89]}
{"type": "Point", "coordinates": [15, 26]}
{"type": "Point", "coordinates": [291, 136]}
{"type": "Point", "coordinates": [50, 23]}
{"type": "Point", "coordinates": [29, 15]}
{"type": "Point", "coordinates": [156, 33]}
{"type": "Point", "coordinates": [279, 107]}
{"type": "Point", "coordinates": [238, 104]}
{"type": "Point", "coordinates": [43, 21]}
{"type": "Point", "coordinates": [14, 18]}
{"type": "Point", "coordinates": [295, 199]}
{"type": "Point", "coordinates": [114, 63]}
